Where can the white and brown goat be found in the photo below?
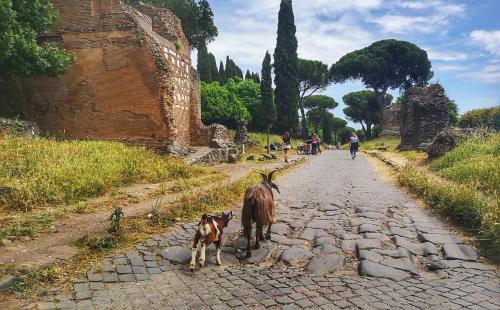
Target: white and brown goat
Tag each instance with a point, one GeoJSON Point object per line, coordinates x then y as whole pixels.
{"type": "Point", "coordinates": [259, 208]}
{"type": "Point", "coordinates": [209, 231]}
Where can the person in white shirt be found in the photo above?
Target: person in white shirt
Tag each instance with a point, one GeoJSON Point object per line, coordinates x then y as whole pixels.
{"type": "Point", "coordinates": [353, 144]}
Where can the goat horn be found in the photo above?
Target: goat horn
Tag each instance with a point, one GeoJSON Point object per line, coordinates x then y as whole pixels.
{"type": "Point", "coordinates": [263, 176]}
{"type": "Point", "coordinates": [270, 176]}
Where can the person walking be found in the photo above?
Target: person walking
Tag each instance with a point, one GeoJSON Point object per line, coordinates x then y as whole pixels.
{"type": "Point", "coordinates": [287, 145]}
{"type": "Point", "coordinates": [314, 141]}
{"type": "Point", "coordinates": [353, 144]}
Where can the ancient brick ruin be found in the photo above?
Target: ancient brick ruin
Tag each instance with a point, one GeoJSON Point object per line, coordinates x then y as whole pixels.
{"type": "Point", "coordinates": [424, 113]}
{"type": "Point", "coordinates": [133, 80]}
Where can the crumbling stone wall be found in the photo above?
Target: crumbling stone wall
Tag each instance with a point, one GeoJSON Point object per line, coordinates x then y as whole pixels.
{"type": "Point", "coordinates": [133, 81]}
{"type": "Point", "coordinates": [424, 113]}
{"type": "Point", "coordinates": [391, 125]}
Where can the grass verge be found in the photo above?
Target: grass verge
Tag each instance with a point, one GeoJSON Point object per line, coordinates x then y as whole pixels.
{"type": "Point", "coordinates": [468, 207]}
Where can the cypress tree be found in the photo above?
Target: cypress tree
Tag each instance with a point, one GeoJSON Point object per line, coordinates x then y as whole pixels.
{"type": "Point", "coordinates": [256, 78]}
{"type": "Point", "coordinates": [267, 106]}
{"type": "Point", "coordinates": [286, 70]}
{"type": "Point", "coordinates": [203, 65]}
{"type": "Point", "coordinates": [214, 73]}
{"type": "Point", "coordinates": [248, 75]}
{"type": "Point", "coordinates": [222, 74]}
{"type": "Point", "coordinates": [229, 68]}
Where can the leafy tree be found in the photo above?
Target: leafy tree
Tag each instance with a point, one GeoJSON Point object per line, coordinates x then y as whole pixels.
{"type": "Point", "coordinates": [214, 73]}
{"type": "Point", "coordinates": [248, 75]}
{"type": "Point", "coordinates": [337, 124]}
{"type": "Point", "coordinates": [21, 22]}
{"type": "Point", "coordinates": [344, 133]}
{"type": "Point", "coordinates": [196, 17]}
{"type": "Point", "coordinates": [488, 117]}
{"type": "Point", "coordinates": [218, 105]}
{"type": "Point", "coordinates": [222, 74]}
{"type": "Point", "coordinates": [248, 92]}
{"type": "Point", "coordinates": [313, 76]}
{"type": "Point", "coordinates": [385, 64]}
{"type": "Point", "coordinates": [256, 77]}
{"type": "Point", "coordinates": [268, 113]}
{"type": "Point", "coordinates": [453, 111]}
{"type": "Point", "coordinates": [318, 106]}
{"type": "Point", "coordinates": [362, 107]}
{"type": "Point", "coordinates": [203, 65]}
{"type": "Point", "coordinates": [327, 127]}
{"type": "Point", "coordinates": [286, 70]}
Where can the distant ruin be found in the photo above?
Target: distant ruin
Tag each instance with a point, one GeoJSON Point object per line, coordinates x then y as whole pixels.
{"type": "Point", "coordinates": [133, 80]}
{"type": "Point", "coordinates": [423, 114]}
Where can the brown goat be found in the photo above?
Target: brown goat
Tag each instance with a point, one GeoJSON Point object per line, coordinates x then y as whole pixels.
{"type": "Point", "coordinates": [209, 231]}
{"type": "Point", "coordinates": [258, 208]}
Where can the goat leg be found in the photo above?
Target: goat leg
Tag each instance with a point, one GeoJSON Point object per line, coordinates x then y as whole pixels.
{"type": "Point", "coordinates": [258, 232]}
{"type": "Point", "coordinates": [194, 250]}
{"type": "Point", "coordinates": [261, 234]}
{"type": "Point", "coordinates": [217, 245]}
{"type": "Point", "coordinates": [268, 233]}
{"type": "Point", "coordinates": [249, 236]}
{"type": "Point", "coordinates": [202, 254]}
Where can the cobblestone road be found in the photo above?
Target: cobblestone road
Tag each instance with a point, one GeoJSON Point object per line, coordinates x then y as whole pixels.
{"type": "Point", "coordinates": [345, 239]}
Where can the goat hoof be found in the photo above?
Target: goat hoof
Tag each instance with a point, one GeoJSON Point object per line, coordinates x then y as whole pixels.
{"type": "Point", "coordinates": [249, 254]}
{"type": "Point", "coordinates": [201, 264]}
{"type": "Point", "coordinates": [257, 246]}
{"type": "Point", "coordinates": [191, 269]}
{"type": "Point", "coordinates": [268, 236]}
{"type": "Point", "coordinates": [218, 263]}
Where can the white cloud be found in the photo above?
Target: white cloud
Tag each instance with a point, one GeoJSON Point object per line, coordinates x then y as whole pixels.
{"type": "Point", "coordinates": [431, 17]}
{"type": "Point", "coordinates": [446, 55]}
{"type": "Point", "coordinates": [490, 73]}
{"type": "Point", "coordinates": [488, 40]}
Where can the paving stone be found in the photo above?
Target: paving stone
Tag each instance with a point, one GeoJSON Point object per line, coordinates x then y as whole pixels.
{"type": "Point", "coordinates": [372, 269]}
{"type": "Point", "coordinates": [422, 249]}
{"type": "Point", "coordinates": [94, 277]}
{"type": "Point", "coordinates": [401, 263]}
{"type": "Point", "coordinates": [284, 300]}
{"type": "Point", "coordinates": [279, 229]}
{"type": "Point", "coordinates": [107, 268]}
{"type": "Point", "coordinates": [370, 255]}
{"type": "Point", "coordinates": [325, 264]}
{"type": "Point", "coordinates": [365, 228]}
{"type": "Point", "coordinates": [177, 254]}
{"type": "Point", "coordinates": [367, 244]}
{"type": "Point", "coordinates": [372, 215]}
{"type": "Point", "coordinates": [348, 245]}
{"type": "Point", "coordinates": [402, 232]}
{"type": "Point", "coordinates": [324, 240]}
{"type": "Point", "coordinates": [399, 252]}
{"type": "Point", "coordinates": [379, 236]}
{"type": "Point", "coordinates": [123, 269]}
{"type": "Point", "coordinates": [326, 249]}
{"type": "Point", "coordinates": [259, 255]}
{"type": "Point", "coordinates": [440, 239]}
{"type": "Point", "coordinates": [279, 239]}
{"type": "Point", "coordinates": [295, 256]}
{"type": "Point", "coordinates": [459, 251]}
{"type": "Point", "coordinates": [46, 306]}
{"type": "Point", "coordinates": [320, 224]}
{"type": "Point", "coordinates": [109, 277]}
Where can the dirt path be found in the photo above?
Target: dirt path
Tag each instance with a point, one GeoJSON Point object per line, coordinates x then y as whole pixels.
{"type": "Point", "coordinates": [345, 238]}
{"type": "Point", "coordinates": [49, 248]}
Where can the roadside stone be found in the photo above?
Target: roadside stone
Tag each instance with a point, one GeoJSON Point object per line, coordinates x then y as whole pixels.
{"type": "Point", "coordinates": [6, 242]}
{"type": "Point", "coordinates": [46, 306]}
{"type": "Point", "coordinates": [372, 269]}
{"type": "Point", "coordinates": [177, 254]}
{"type": "Point", "coordinates": [8, 281]}
{"type": "Point", "coordinates": [258, 256]}
{"type": "Point", "coordinates": [459, 251]}
{"type": "Point", "coordinates": [295, 256]}
{"type": "Point", "coordinates": [325, 264]}
{"type": "Point", "coordinates": [400, 263]}
{"type": "Point", "coordinates": [440, 239]}
{"type": "Point", "coordinates": [94, 277]}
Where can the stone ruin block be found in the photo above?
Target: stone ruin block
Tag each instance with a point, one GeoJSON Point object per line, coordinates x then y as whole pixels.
{"type": "Point", "coordinates": [424, 113]}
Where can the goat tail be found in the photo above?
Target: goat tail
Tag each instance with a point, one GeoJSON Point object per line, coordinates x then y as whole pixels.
{"type": "Point", "coordinates": [264, 213]}
{"type": "Point", "coordinates": [247, 214]}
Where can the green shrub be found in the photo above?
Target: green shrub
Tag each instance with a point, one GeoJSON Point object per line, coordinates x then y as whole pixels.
{"type": "Point", "coordinates": [489, 117]}
{"type": "Point", "coordinates": [474, 162]}
{"type": "Point", "coordinates": [44, 172]}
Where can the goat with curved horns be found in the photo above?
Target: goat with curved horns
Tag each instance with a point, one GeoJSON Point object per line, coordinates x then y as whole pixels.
{"type": "Point", "coordinates": [259, 208]}
{"type": "Point", "coordinates": [209, 231]}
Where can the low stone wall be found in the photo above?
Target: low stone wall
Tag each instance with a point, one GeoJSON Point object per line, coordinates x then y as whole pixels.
{"type": "Point", "coordinates": [18, 128]}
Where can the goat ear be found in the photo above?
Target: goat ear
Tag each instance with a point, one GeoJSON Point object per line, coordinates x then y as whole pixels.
{"type": "Point", "coordinates": [264, 177]}
{"type": "Point", "coordinates": [270, 176]}
{"type": "Point", "coordinates": [230, 214]}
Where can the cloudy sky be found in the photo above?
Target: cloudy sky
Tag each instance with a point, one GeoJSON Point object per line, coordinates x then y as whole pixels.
{"type": "Point", "coordinates": [462, 38]}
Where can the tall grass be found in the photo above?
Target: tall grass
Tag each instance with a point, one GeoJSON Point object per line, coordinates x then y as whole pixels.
{"type": "Point", "coordinates": [44, 172]}
{"type": "Point", "coordinates": [464, 204]}
{"type": "Point", "coordinates": [475, 162]}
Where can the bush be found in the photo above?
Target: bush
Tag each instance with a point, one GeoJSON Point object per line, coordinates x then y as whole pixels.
{"type": "Point", "coordinates": [219, 105]}
{"type": "Point", "coordinates": [489, 117]}
{"type": "Point", "coordinates": [45, 172]}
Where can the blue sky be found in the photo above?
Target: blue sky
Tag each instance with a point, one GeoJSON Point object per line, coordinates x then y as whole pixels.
{"type": "Point", "coordinates": [462, 38]}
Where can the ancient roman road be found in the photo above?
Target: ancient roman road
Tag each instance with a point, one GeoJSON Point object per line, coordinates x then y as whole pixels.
{"type": "Point", "coordinates": [345, 239]}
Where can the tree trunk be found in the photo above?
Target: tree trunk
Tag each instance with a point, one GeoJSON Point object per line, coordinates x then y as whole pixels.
{"type": "Point", "coordinates": [303, 122]}
{"type": "Point", "coordinates": [363, 127]}
{"type": "Point", "coordinates": [382, 105]}
{"type": "Point", "coordinates": [368, 131]}
{"type": "Point", "coordinates": [267, 143]}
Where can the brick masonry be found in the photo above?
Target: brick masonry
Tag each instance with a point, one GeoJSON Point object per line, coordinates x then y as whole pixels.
{"type": "Point", "coordinates": [133, 80]}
